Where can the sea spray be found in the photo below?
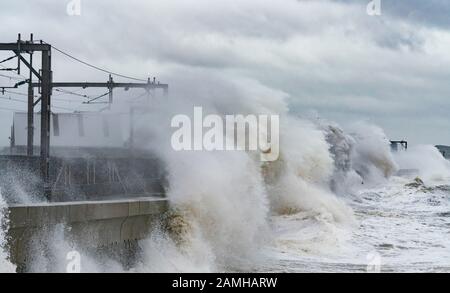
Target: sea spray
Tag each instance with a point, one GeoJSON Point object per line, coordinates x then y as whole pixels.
{"type": "Point", "coordinates": [225, 204]}
{"type": "Point", "coordinates": [179, 249]}
{"type": "Point", "coordinates": [20, 186]}
{"type": "Point", "coordinates": [5, 265]}
{"type": "Point", "coordinates": [371, 157]}
{"type": "Point", "coordinates": [226, 198]}
{"type": "Point", "coordinates": [51, 247]}
{"type": "Point", "coordinates": [304, 171]}
{"type": "Point", "coordinates": [431, 166]}
{"type": "Point", "coordinates": [345, 179]}
{"type": "Point", "coordinates": [308, 218]}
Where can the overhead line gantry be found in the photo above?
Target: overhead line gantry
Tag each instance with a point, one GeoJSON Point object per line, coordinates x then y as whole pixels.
{"type": "Point", "coordinates": [45, 84]}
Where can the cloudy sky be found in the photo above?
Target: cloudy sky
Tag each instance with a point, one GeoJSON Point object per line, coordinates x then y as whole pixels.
{"type": "Point", "coordinates": [328, 57]}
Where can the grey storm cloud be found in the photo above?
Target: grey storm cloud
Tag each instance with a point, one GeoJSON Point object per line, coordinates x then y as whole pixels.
{"type": "Point", "coordinates": [429, 12]}
{"type": "Point", "coordinates": [328, 56]}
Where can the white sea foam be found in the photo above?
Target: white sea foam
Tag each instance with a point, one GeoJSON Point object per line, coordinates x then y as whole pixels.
{"type": "Point", "coordinates": [433, 168]}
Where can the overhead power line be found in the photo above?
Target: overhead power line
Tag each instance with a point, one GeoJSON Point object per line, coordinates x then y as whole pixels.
{"type": "Point", "coordinates": [3, 68]}
{"type": "Point", "coordinates": [65, 92]}
{"type": "Point", "coordinates": [96, 67]}
{"type": "Point", "coordinates": [96, 98]}
{"type": "Point", "coordinates": [8, 69]}
{"type": "Point", "coordinates": [20, 94]}
{"type": "Point", "coordinates": [71, 93]}
{"type": "Point", "coordinates": [23, 101]}
{"type": "Point", "coordinates": [7, 59]}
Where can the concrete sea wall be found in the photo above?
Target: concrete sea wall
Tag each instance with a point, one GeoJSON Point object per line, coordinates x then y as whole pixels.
{"type": "Point", "coordinates": [90, 224]}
